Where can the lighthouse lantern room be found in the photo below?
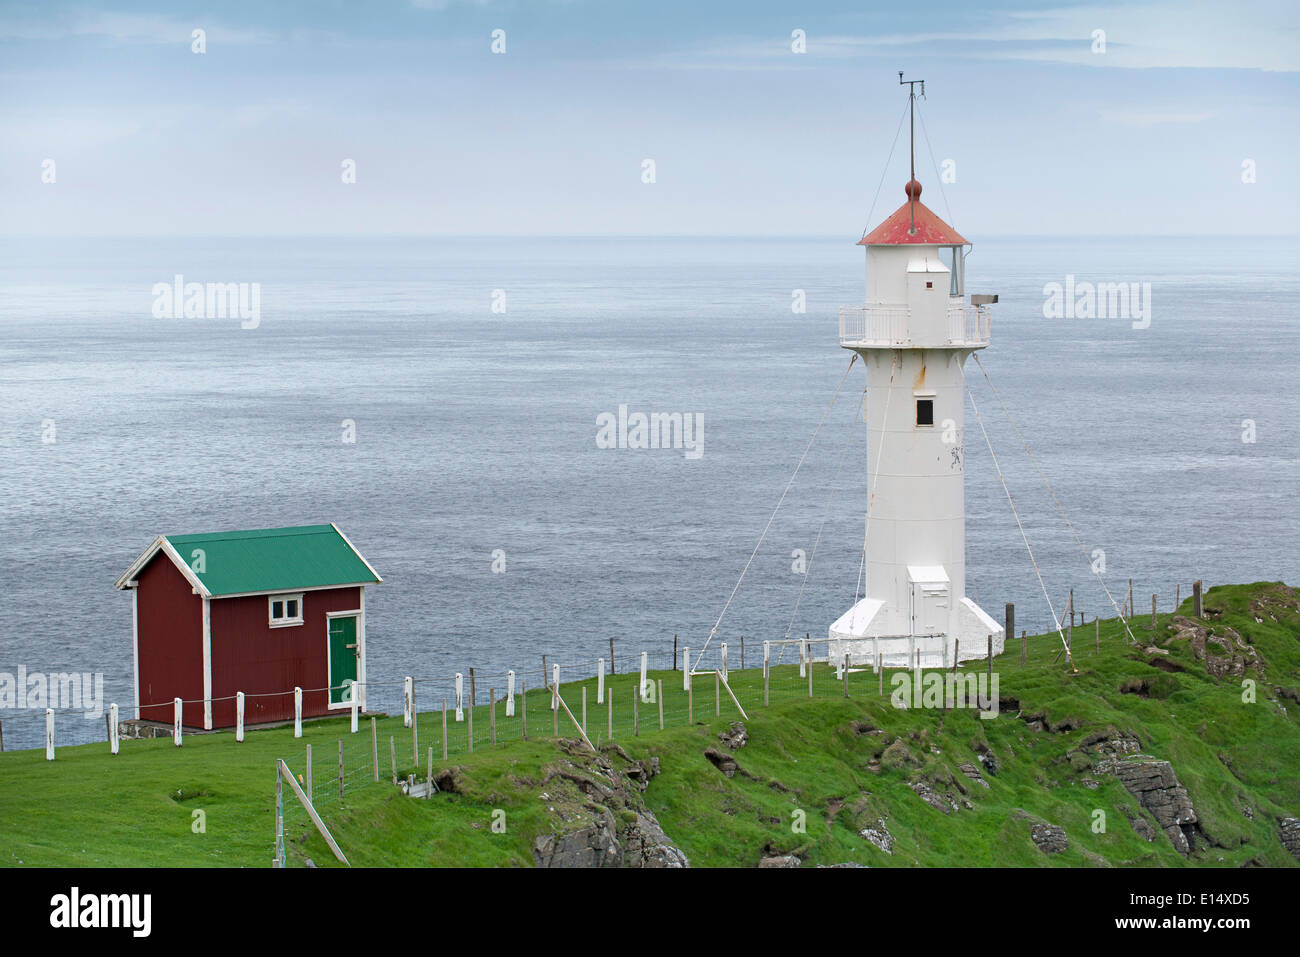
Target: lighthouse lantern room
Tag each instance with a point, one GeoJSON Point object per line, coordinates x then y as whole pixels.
{"type": "Point", "coordinates": [914, 332]}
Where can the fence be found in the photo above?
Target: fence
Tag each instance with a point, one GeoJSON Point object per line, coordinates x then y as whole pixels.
{"type": "Point", "coordinates": [64, 726]}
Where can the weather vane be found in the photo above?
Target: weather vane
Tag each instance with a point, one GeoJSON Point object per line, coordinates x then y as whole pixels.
{"type": "Point", "coordinates": [911, 133]}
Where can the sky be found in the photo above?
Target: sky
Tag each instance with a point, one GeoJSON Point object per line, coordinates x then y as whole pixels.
{"type": "Point", "coordinates": [1041, 129]}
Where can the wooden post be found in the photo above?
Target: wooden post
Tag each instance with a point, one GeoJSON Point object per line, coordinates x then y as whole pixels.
{"type": "Point", "coordinates": [356, 703]}
{"type": "Point", "coordinates": [307, 778]}
{"type": "Point", "coordinates": [584, 709]}
{"type": "Point", "coordinates": [415, 730]}
{"type": "Point", "coordinates": [113, 731]}
{"type": "Point", "coordinates": [880, 672]}
{"type": "Point", "coordinates": [674, 652]}
{"type": "Point", "coordinates": [2, 737]}
{"type": "Point", "coordinates": [1128, 601]}
{"type": "Point", "coordinates": [609, 700]}
{"type": "Point", "coordinates": [392, 754]}
{"type": "Point", "coordinates": [340, 769]}
{"type": "Point", "coordinates": [555, 712]}
{"type": "Point", "coordinates": [444, 729]}
{"type": "Point", "coordinates": [473, 692]}
{"type": "Point", "coordinates": [1069, 632]}
{"type": "Point", "coordinates": [846, 674]}
{"type": "Point", "coordinates": [428, 783]}
{"type": "Point", "coordinates": [469, 724]}
{"type": "Point", "coordinates": [176, 719]}
{"type": "Point", "coordinates": [374, 747]}
{"type": "Point", "coordinates": [49, 731]}
{"type": "Point", "coordinates": [636, 715]}
{"type": "Point", "coordinates": [523, 710]}
{"type": "Point", "coordinates": [686, 670]}
{"type": "Point", "coordinates": [297, 713]}
{"type": "Point", "coordinates": [660, 688]}
{"type": "Point", "coordinates": [1153, 612]}
{"type": "Point", "coordinates": [239, 716]}
{"type": "Point", "coordinates": [612, 668]}
{"type": "Point", "coordinates": [546, 680]}
{"type": "Point", "coordinates": [767, 669]}
{"type": "Point", "coordinates": [717, 694]}
{"type": "Point", "coordinates": [279, 818]}
{"type": "Point", "coordinates": [810, 668]}
{"type": "Point", "coordinates": [990, 657]}
{"type": "Point", "coordinates": [1196, 599]}
{"type": "Point", "coordinates": [1024, 646]}
{"type": "Point", "coordinates": [492, 713]}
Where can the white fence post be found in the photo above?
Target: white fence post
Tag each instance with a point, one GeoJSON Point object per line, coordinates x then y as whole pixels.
{"type": "Point", "coordinates": [49, 734]}
{"type": "Point", "coordinates": [555, 687]}
{"type": "Point", "coordinates": [647, 693]}
{"type": "Point", "coordinates": [460, 696]}
{"type": "Point", "coordinates": [804, 651]}
{"type": "Point", "coordinates": [176, 721]}
{"type": "Point", "coordinates": [112, 729]}
{"type": "Point", "coordinates": [510, 694]}
{"type": "Point", "coordinates": [356, 705]}
{"type": "Point", "coordinates": [407, 693]}
{"type": "Point", "coordinates": [686, 671]}
{"type": "Point", "coordinates": [297, 712]}
{"type": "Point", "coordinates": [723, 668]}
{"type": "Point", "coordinates": [600, 681]}
{"type": "Point", "coordinates": [239, 716]}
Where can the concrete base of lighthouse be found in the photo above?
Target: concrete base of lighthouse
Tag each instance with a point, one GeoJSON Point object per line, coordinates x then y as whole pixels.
{"type": "Point", "coordinates": [863, 633]}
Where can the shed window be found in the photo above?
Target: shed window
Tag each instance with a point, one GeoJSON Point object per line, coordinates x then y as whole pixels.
{"type": "Point", "coordinates": [285, 610]}
{"type": "Point", "coordinates": [925, 411]}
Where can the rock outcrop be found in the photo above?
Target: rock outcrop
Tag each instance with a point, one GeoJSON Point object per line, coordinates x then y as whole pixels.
{"type": "Point", "coordinates": [1156, 788]}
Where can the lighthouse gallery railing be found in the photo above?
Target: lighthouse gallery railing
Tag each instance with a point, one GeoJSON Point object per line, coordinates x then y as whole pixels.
{"type": "Point", "coordinates": [889, 325]}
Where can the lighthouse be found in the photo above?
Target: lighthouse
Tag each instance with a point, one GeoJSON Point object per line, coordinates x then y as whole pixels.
{"type": "Point", "coordinates": [913, 333]}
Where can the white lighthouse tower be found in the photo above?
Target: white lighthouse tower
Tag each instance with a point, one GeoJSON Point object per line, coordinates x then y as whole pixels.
{"type": "Point", "coordinates": [914, 333]}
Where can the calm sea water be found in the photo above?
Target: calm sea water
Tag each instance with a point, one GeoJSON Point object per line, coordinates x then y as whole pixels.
{"type": "Point", "coordinates": [476, 431]}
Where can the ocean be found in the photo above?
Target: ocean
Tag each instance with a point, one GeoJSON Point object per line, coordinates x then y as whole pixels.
{"type": "Point", "coordinates": [475, 434]}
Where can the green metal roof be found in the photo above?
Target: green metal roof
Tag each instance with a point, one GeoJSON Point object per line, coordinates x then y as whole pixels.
{"type": "Point", "coordinates": [273, 559]}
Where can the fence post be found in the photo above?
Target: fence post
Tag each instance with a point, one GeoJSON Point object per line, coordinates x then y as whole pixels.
{"type": "Point", "coordinates": [555, 700]}
{"type": "Point", "coordinates": [722, 668]}
{"type": "Point", "coordinates": [523, 710]}
{"type": "Point", "coordinates": [297, 714]}
{"type": "Point", "coordinates": [510, 694]}
{"type": "Point", "coordinates": [460, 696]}
{"type": "Point", "coordinates": [307, 778]}
{"type": "Point", "coordinates": [392, 755]}
{"type": "Point", "coordinates": [636, 715]}
{"type": "Point", "coordinates": [742, 652]}
{"type": "Point", "coordinates": [444, 729]}
{"type": "Point", "coordinates": [279, 819]}
{"type": "Point", "coordinates": [643, 691]}
{"type": "Point", "coordinates": [49, 734]}
{"type": "Point", "coordinates": [600, 681]}
{"type": "Point", "coordinates": [661, 703]}
{"type": "Point", "coordinates": [717, 695]}
{"type": "Point", "coordinates": [810, 667]}
{"type": "Point", "coordinates": [1196, 599]}
{"type": "Point", "coordinates": [767, 668]}
{"type": "Point", "coordinates": [609, 701]}
{"type": "Point", "coordinates": [674, 652]}
{"type": "Point", "coordinates": [356, 705]}
{"type": "Point", "coordinates": [1096, 620]}
{"type": "Point", "coordinates": [990, 657]}
{"type": "Point", "coordinates": [112, 730]}
{"type": "Point", "coordinates": [880, 672]}
{"type": "Point", "coordinates": [239, 716]}
{"type": "Point", "coordinates": [613, 669]}
{"type": "Point", "coordinates": [415, 730]}
{"type": "Point", "coordinates": [492, 713]}
{"type": "Point", "coordinates": [690, 705]}
{"type": "Point", "coordinates": [803, 657]}
{"type": "Point", "coordinates": [1024, 647]}
{"type": "Point", "coordinates": [686, 670]}
{"type": "Point", "coordinates": [428, 781]}
{"type": "Point", "coordinates": [1178, 596]}
{"type": "Point", "coordinates": [584, 709]}
{"type": "Point", "coordinates": [1153, 612]}
{"type": "Point", "coordinates": [469, 726]}
{"type": "Point", "coordinates": [176, 722]}
{"type": "Point", "coordinates": [374, 747]}
{"type": "Point", "coordinates": [341, 769]}
{"type": "Point", "coordinates": [473, 691]}
{"type": "Point", "coordinates": [846, 674]}
{"type": "Point", "coordinates": [408, 692]}
{"type": "Point", "coordinates": [1069, 632]}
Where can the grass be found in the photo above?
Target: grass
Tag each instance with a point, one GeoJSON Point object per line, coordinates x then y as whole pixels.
{"type": "Point", "coordinates": [839, 764]}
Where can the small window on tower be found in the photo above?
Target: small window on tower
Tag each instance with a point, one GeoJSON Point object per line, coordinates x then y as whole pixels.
{"type": "Point", "coordinates": [925, 411]}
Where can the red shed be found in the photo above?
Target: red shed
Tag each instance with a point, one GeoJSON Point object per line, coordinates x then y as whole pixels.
{"type": "Point", "coordinates": [260, 611]}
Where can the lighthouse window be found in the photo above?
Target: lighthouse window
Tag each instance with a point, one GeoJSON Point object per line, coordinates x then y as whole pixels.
{"type": "Point", "coordinates": [925, 411]}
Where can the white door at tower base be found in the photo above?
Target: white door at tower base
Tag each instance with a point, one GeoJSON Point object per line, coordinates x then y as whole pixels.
{"type": "Point", "coordinates": [929, 599]}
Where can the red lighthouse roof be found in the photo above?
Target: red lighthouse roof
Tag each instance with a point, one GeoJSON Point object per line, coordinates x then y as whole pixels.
{"type": "Point", "coordinates": [897, 229]}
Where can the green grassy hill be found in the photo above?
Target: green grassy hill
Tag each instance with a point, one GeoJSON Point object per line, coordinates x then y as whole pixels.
{"type": "Point", "coordinates": [1069, 774]}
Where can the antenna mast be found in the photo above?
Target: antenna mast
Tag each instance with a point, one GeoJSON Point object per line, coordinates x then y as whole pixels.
{"type": "Point", "coordinates": [911, 134]}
